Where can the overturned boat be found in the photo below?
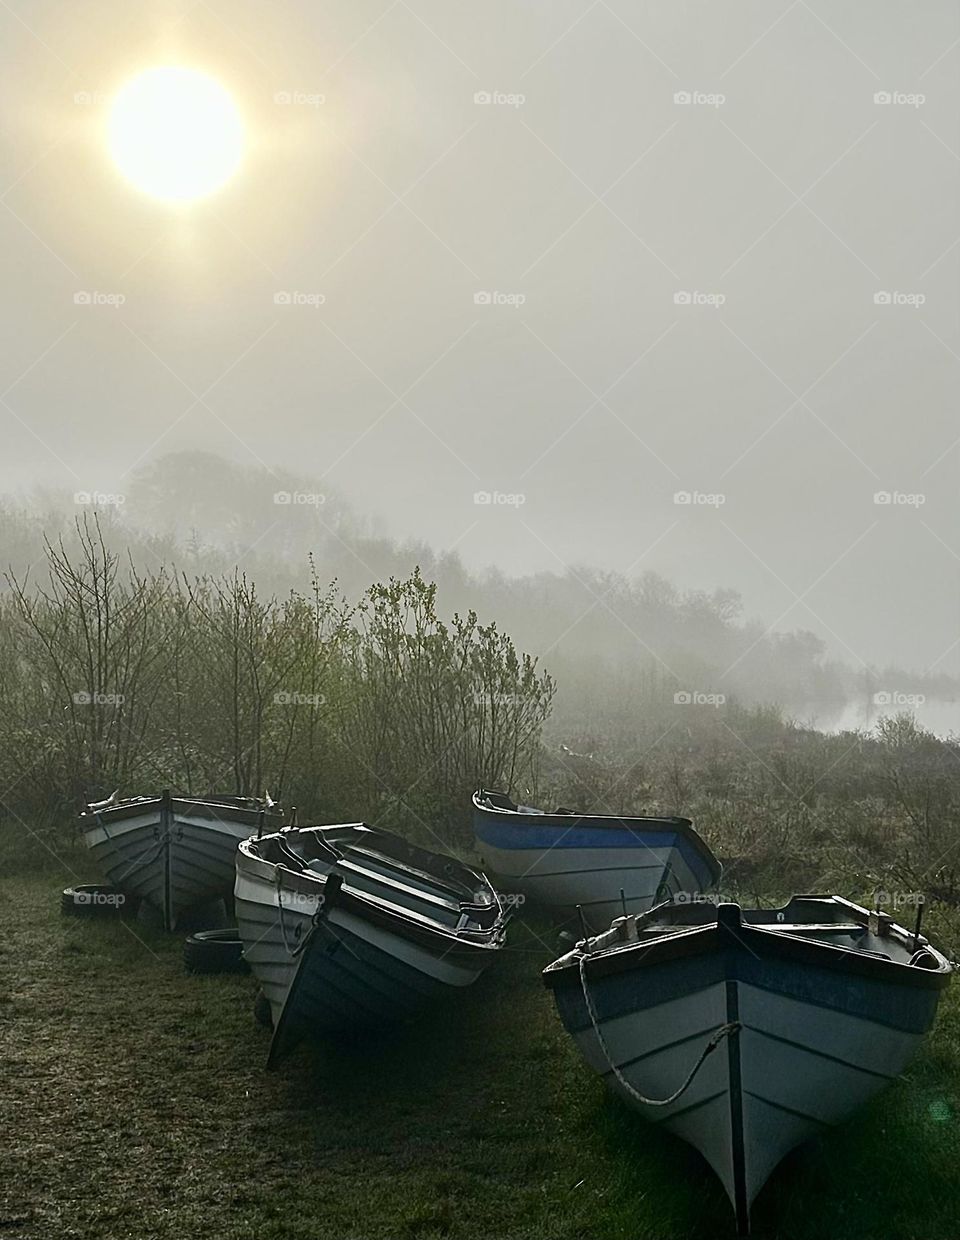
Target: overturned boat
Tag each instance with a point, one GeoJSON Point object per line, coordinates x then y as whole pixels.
{"type": "Point", "coordinates": [604, 865]}
{"type": "Point", "coordinates": [173, 852]}
{"type": "Point", "coordinates": [747, 1031]}
{"type": "Point", "coordinates": [349, 927]}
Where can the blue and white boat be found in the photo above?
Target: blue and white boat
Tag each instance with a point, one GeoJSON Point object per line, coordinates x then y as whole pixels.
{"type": "Point", "coordinates": [748, 1031]}
{"type": "Point", "coordinates": [607, 866]}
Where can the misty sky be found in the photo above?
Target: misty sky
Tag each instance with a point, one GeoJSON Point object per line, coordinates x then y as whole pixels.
{"type": "Point", "coordinates": [493, 216]}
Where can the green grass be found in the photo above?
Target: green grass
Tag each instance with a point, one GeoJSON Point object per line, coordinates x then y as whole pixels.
{"type": "Point", "coordinates": [135, 1104]}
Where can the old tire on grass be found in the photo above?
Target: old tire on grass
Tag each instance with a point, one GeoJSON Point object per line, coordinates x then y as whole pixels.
{"type": "Point", "coordinates": [97, 900]}
{"type": "Point", "coordinates": [214, 951]}
{"type": "Point", "coordinates": [262, 1012]}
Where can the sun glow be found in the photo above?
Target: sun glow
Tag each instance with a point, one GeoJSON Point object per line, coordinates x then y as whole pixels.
{"type": "Point", "coordinates": [175, 134]}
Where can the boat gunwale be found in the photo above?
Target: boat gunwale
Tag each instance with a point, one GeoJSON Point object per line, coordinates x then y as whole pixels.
{"type": "Point", "coordinates": [762, 940]}
{"type": "Point", "coordinates": [249, 814]}
{"type": "Point", "coordinates": [395, 918]}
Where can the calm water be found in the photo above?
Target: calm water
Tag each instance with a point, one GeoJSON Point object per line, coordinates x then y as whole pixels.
{"type": "Point", "coordinates": [942, 718]}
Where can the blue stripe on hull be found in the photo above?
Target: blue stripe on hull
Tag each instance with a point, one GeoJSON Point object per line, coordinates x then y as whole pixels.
{"type": "Point", "coordinates": [511, 835]}
{"type": "Point", "coordinates": [907, 1008]}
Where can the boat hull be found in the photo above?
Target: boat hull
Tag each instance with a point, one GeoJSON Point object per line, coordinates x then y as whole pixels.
{"type": "Point", "coordinates": [174, 855]}
{"type": "Point", "coordinates": [800, 1046]}
{"type": "Point", "coordinates": [347, 975]}
{"type": "Point", "coordinates": [566, 862]}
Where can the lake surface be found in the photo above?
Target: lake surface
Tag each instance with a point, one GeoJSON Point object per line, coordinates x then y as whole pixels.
{"type": "Point", "coordinates": [939, 717]}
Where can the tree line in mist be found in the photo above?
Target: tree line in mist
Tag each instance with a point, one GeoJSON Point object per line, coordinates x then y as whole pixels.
{"type": "Point", "coordinates": [615, 645]}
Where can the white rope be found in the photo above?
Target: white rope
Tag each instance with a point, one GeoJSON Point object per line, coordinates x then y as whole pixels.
{"type": "Point", "coordinates": [723, 1032]}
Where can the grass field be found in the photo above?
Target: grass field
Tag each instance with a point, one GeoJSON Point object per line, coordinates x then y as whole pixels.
{"type": "Point", "coordinates": [134, 1104]}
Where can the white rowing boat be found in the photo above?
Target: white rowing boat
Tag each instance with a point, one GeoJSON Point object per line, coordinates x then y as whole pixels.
{"type": "Point", "coordinates": [174, 852]}
{"type": "Point", "coordinates": [745, 1032]}
{"type": "Point", "coordinates": [350, 927]}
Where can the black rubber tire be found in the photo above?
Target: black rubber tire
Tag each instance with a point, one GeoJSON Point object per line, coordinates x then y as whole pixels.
{"type": "Point", "coordinates": [262, 1012]}
{"type": "Point", "coordinates": [214, 951]}
{"type": "Point", "coordinates": [97, 900]}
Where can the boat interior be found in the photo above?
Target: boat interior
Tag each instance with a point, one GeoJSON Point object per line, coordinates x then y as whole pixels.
{"type": "Point", "coordinates": [367, 862]}
{"type": "Point", "coordinates": [486, 799]}
{"type": "Point", "coordinates": [500, 800]}
{"type": "Point", "coordinates": [221, 798]}
{"type": "Point", "coordinates": [211, 799]}
{"type": "Point", "coordinates": [830, 920]}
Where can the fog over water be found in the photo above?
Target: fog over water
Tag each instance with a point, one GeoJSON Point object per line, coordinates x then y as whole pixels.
{"type": "Point", "coordinates": [940, 717]}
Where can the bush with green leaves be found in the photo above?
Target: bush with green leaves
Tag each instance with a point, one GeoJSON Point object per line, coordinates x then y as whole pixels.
{"type": "Point", "coordinates": [427, 710]}
{"type": "Point", "coordinates": [114, 678]}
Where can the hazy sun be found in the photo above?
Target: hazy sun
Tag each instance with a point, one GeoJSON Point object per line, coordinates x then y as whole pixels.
{"type": "Point", "coordinates": [175, 133]}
